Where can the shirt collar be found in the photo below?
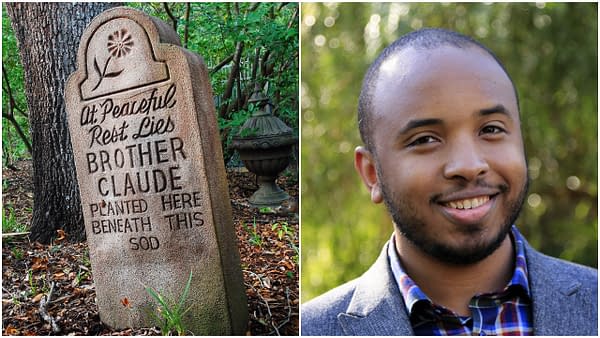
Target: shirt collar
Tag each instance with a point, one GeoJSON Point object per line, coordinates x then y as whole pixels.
{"type": "Point", "coordinates": [411, 293]}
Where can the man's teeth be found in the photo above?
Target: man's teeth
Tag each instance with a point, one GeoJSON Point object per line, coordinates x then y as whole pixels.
{"type": "Point", "coordinates": [469, 203]}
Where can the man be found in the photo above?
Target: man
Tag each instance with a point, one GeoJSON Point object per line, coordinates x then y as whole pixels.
{"type": "Point", "coordinates": [439, 117]}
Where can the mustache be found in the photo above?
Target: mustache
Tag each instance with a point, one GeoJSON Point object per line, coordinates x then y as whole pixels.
{"type": "Point", "coordinates": [479, 183]}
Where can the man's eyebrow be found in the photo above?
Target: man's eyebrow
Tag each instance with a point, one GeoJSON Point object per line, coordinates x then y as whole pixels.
{"type": "Point", "coordinates": [417, 123]}
{"type": "Point", "coordinates": [412, 124]}
{"type": "Point", "coordinates": [497, 109]}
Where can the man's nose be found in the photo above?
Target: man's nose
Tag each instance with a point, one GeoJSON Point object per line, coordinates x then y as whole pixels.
{"type": "Point", "coordinates": [465, 161]}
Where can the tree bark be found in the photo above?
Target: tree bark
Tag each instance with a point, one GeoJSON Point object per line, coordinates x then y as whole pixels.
{"type": "Point", "coordinates": [235, 69]}
{"type": "Point", "coordinates": [48, 36]}
{"type": "Point", "coordinates": [186, 28]}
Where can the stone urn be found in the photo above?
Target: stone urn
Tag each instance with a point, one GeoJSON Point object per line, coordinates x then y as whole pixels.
{"type": "Point", "coordinates": [265, 144]}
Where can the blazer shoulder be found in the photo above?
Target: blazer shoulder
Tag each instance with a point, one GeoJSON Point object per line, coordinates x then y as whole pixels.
{"type": "Point", "coordinates": [556, 268]}
{"type": "Point", "coordinates": [564, 294]}
{"type": "Point", "coordinates": [319, 315]}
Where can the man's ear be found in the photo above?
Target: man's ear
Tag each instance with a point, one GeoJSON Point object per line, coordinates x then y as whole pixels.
{"type": "Point", "coordinates": [364, 162]}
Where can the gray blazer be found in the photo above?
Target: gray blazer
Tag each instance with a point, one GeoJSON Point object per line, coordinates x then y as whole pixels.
{"type": "Point", "coordinates": [565, 301]}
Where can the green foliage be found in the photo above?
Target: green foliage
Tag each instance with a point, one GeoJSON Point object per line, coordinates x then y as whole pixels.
{"type": "Point", "coordinates": [230, 128]}
{"type": "Point", "coordinates": [81, 275]}
{"type": "Point", "coordinates": [17, 253]}
{"type": "Point", "coordinates": [170, 311]}
{"type": "Point", "coordinates": [255, 237]}
{"type": "Point", "coordinates": [10, 223]}
{"type": "Point", "coordinates": [550, 50]}
{"type": "Point", "coordinates": [86, 259]}
{"type": "Point", "coordinates": [53, 249]}
{"type": "Point", "coordinates": [269, 30]}
{"type": "Point", "coordinates": [266, 210]}
{"type": "Point", "coordinates": [284, 230]}
{"type": "Point", "coordinates": [213, 31]}
{"type": "Point", "coordinates": [13, 147]}
{"type": "Point", "coordinates": [291, 175]}
{"type": "Point", "coordinates": [34, 286]}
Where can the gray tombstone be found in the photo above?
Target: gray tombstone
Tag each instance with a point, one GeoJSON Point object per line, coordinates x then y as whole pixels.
{"type": "Point", "coordinates": [151, 175]}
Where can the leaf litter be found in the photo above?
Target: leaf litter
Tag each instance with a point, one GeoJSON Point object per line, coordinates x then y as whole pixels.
{"type": "Point", "coordinates": [46, 288]}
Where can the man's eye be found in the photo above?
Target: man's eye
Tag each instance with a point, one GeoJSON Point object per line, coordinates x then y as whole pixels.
{"type": "Point", "coordinates": [423, 140]}
{"type": "Point", "coordinates": [492, 130]}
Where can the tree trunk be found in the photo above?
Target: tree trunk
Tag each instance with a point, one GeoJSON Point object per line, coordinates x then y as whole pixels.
{"type": "Point", "coordinates": [48, 35]}
{"type": "Point", "coordinates": [235, 69]}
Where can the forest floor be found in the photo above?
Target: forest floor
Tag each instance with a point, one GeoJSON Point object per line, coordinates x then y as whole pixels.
{"type": "Point", "coordinates": [32, 273]}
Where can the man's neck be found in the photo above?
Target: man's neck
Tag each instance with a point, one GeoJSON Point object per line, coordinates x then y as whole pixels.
{"type": "Point", "coordinates": [453, 286]}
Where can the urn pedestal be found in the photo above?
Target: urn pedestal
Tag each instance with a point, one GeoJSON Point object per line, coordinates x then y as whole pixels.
{"type": "Point", "coordinates": [265, 144]}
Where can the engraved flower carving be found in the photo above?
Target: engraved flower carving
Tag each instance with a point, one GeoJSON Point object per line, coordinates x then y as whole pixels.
{"type": "Point", "coordinates": [119, 43]}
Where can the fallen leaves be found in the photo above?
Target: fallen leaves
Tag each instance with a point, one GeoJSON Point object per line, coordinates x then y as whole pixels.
{"type": "Point", "coordinates": [27, 283]}
{"type": "Point", "coordinates": [30, 269]}
{"type": "Point", "coordinates": [11, 331]}
{"type": "Point", "coordinates": [61, 236]}
{"type": "Point", "coordinates": [270, 271]}
{"type": "Point", "coordinates": [39, 263]}
{"type": "Point", "coordinates": [125, 302]}
{"type": "Point", "coordinates": [37, 298]}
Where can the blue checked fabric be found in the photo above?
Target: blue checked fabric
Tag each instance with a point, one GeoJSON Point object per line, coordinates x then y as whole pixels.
{"type": "Point", "coordinates": [505, 313]}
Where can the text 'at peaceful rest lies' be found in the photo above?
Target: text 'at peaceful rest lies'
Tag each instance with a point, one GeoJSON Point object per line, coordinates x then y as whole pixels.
{"type": "Point", "coordinates": [132, 174]}
{"type": "Point", "coordinates": [95, 114]}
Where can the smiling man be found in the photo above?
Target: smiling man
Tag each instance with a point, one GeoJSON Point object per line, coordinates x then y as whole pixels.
{"type": "Point", "coordinates": [439, 117]}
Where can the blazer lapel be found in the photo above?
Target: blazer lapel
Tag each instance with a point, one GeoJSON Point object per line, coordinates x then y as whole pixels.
{"type": "Point", "coordinates": [376, 308]}
{"type": "Point", "coordinates": [554, 293]}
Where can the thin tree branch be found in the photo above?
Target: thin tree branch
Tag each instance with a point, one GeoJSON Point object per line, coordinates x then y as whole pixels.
{"type": "Point", "coordinates": [240, 96]}
{"type": "Point", "coordinates": [10, 115]}
{"type": "Point", "coordinates": [186, 30]}
{"type": "Point", "coordinates": [44, 312]}
{"type": "Point", "coordinates": [255, 64]}
{"type": "Point", "coordinates": [171, 16]}
{"type": "Point", "coordinates": [11, 100]}
{"type": "Point", "coordinates": [288, 62]}
{"type": "Point", "coordinates": [253, 7]}
{"type": "Point", "coordinates": [293, 19]}
{"type": "Point", "coordinates": [264, 63]}
{"type": "Point", "coordinates": [228, 8]}
{"type": "Point", "coordinates": [231, 81]}
{"type": "Point", "coordinates": [221, 64]}
{"type": "Point", "coordinates": [281, 5]}
{"type": "Point", "coordinates": [289, 306]}
{"type": "Point", "coordinates": [20, 132]}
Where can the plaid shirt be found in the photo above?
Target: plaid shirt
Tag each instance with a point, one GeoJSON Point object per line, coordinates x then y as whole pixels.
{"type": "Point", "coordinates": [506, 313]}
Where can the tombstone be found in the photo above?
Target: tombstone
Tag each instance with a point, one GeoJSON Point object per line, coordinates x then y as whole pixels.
{"type": "Point", "coordinates": [151, 177]}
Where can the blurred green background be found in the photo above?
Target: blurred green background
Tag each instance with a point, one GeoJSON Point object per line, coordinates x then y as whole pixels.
{"type": "Point", "coordinates": [550, 50]}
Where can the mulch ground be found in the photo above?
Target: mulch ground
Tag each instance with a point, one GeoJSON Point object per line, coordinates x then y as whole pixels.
{"type": "Point", "coordinates": [49, 289]}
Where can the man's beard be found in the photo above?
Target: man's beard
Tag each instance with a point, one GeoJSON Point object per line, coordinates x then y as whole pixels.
{"type": "Point", "coordinates": [411, 226]}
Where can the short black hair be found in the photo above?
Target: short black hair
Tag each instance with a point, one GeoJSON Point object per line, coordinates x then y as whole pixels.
{"type": "Point", "coordinates": [426, 38]}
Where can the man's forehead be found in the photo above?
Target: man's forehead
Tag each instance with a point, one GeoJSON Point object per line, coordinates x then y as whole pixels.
{"type": "Point", "coordinates": [417, 60]}
{"type": "Point", "coordinates": [413, 75]}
